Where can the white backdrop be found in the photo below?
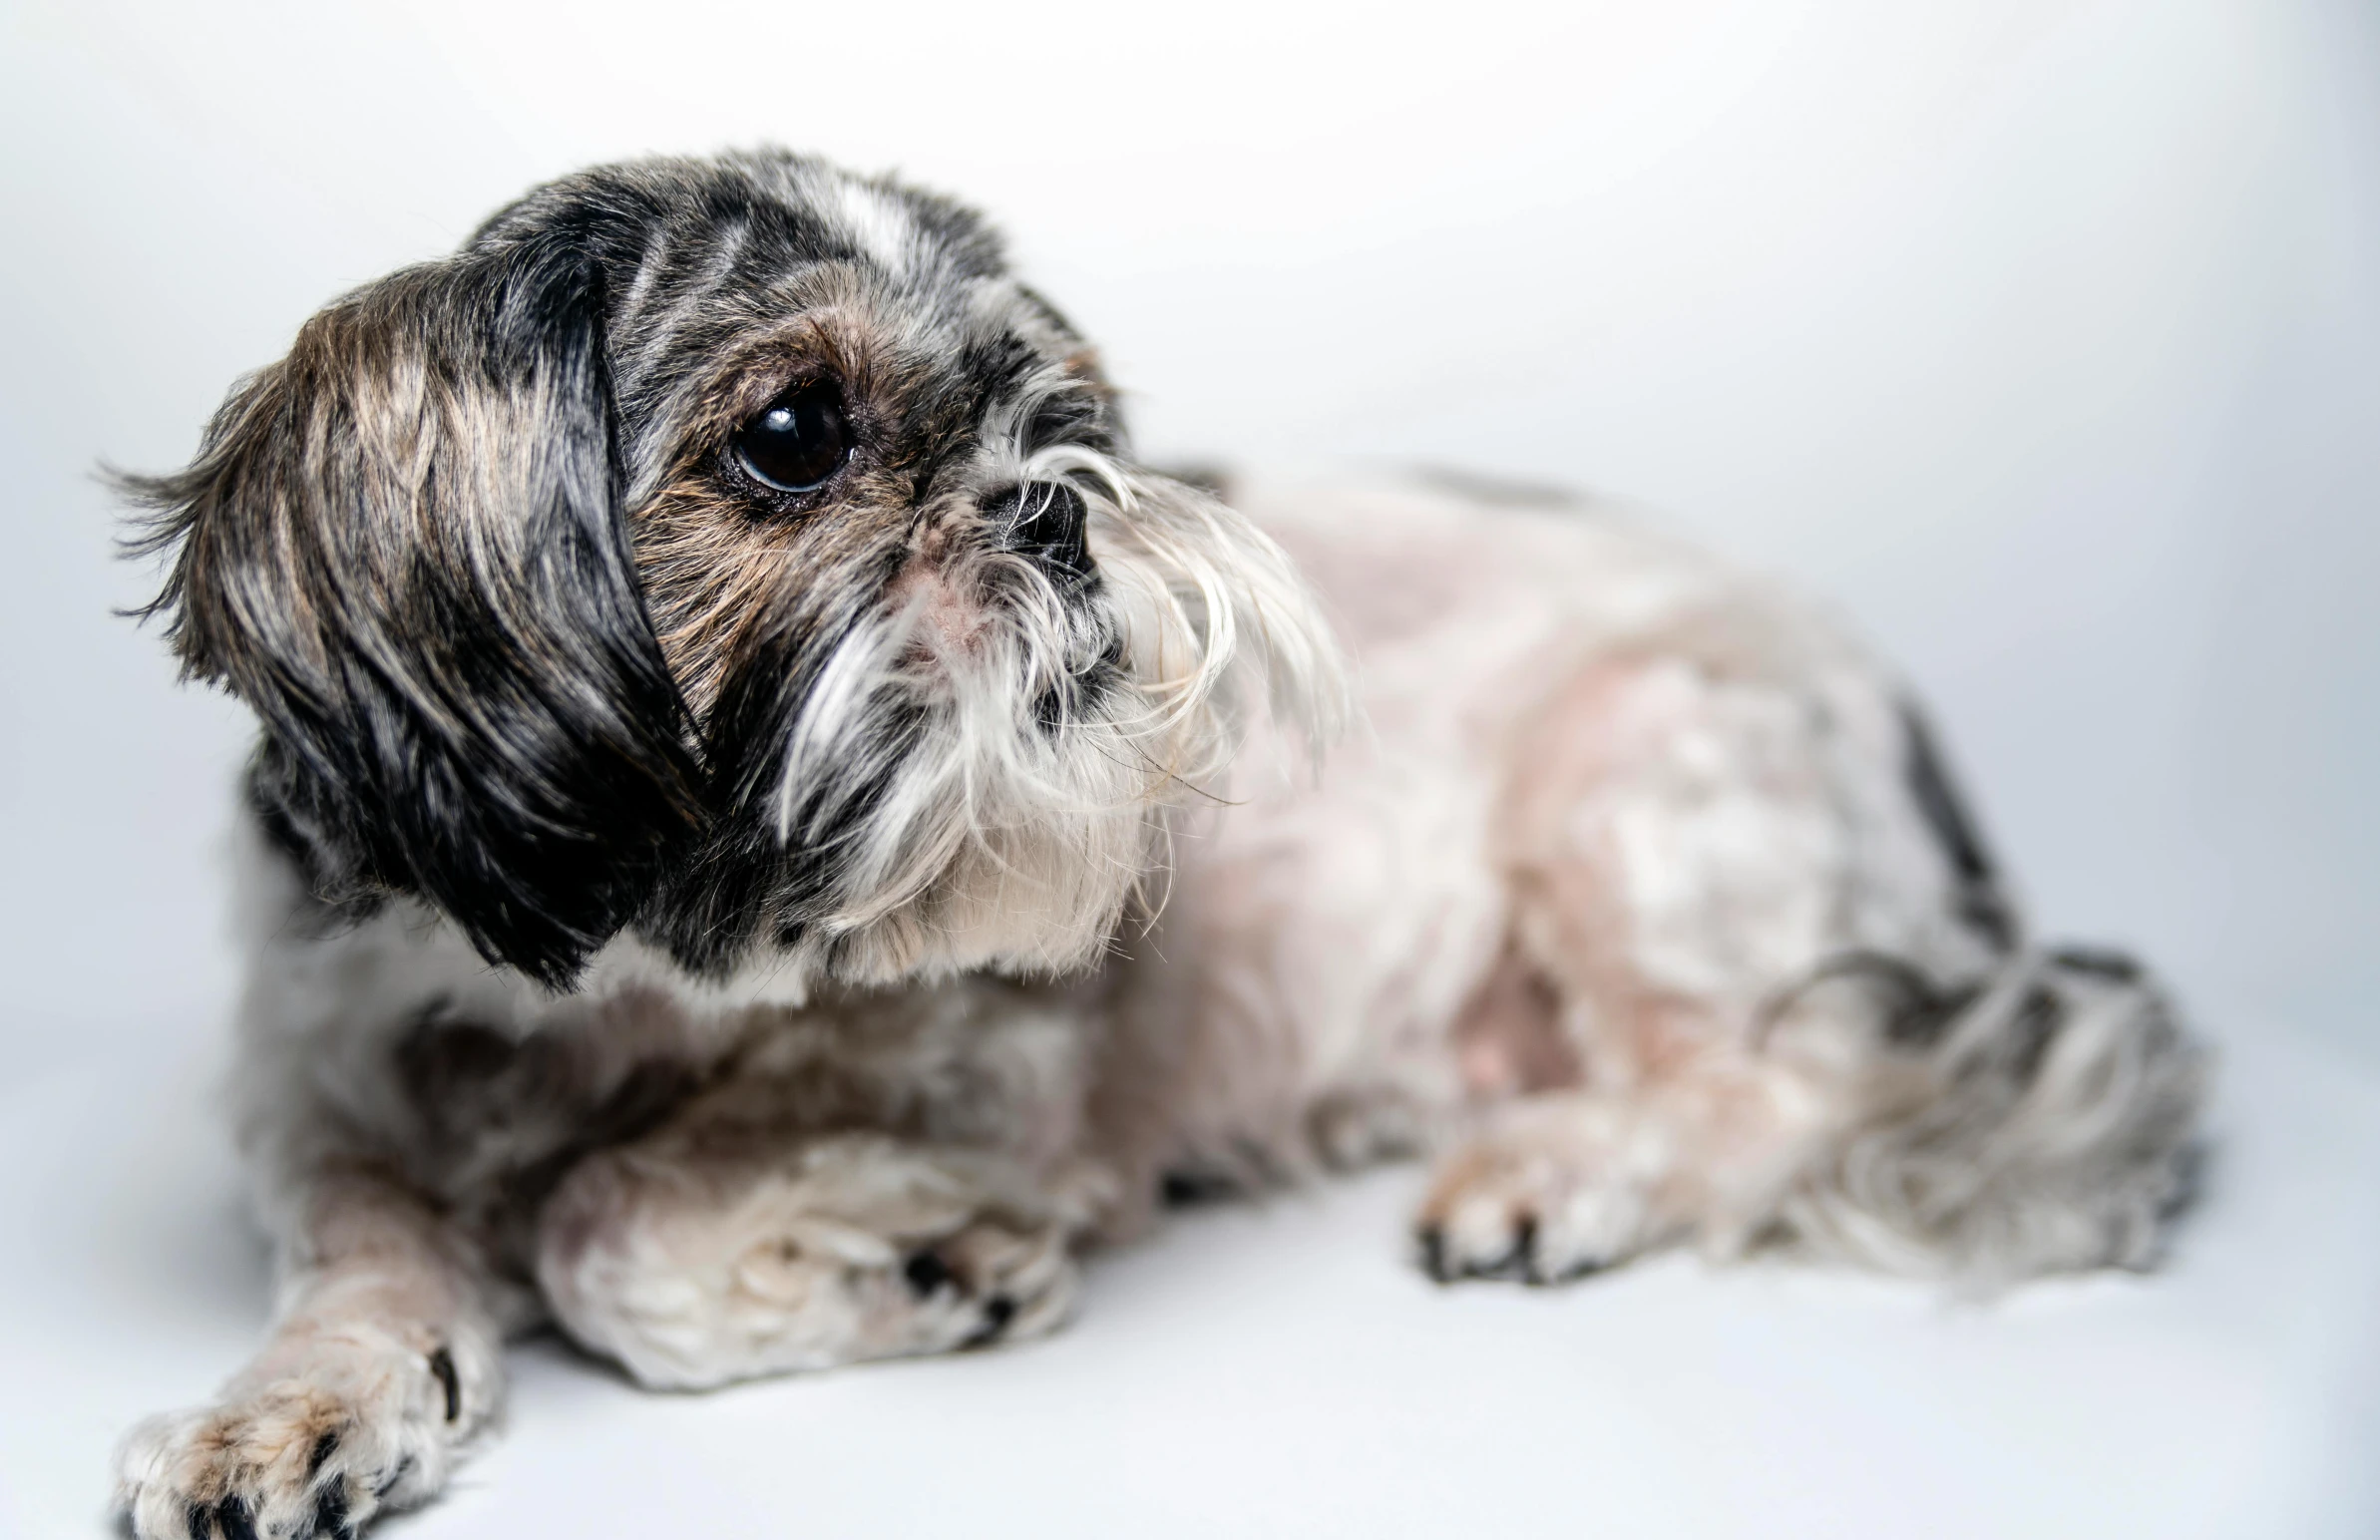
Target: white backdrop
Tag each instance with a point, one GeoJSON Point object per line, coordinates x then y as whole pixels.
{"type": "Point", "coordinates": [2043, 337]}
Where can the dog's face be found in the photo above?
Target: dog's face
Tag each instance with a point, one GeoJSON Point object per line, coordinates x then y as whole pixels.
{"type": "Point", "coordinates": [731, 552]}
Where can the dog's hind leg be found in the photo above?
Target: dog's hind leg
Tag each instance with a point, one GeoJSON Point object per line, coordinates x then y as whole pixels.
{"type": "Point", "coordinates": [1798, 1004]}
{"type": "Point", "coordinates": [2041, 1122]}
{"type": "Point", "coordinates": [383, 1361]}
{"type": "Point", "coordinates": [1561, 1184]}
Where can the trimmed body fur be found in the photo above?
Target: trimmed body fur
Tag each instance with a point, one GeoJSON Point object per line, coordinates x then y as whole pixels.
{"type": "Point", "coordinates": [759, 931]}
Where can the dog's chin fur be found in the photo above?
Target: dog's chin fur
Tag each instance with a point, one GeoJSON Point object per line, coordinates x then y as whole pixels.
{"type": "Point", "coordinates": [1026, 755]}
{"type": "Point", "coordinates": [758, 924]}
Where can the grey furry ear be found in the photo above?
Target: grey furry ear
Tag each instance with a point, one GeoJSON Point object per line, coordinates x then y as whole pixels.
{"type": "Point", "coordinates": [404, 547]}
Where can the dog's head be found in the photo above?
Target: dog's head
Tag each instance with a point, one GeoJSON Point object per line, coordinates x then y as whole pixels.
{"type": "Point", "coordinates": [732, 551]}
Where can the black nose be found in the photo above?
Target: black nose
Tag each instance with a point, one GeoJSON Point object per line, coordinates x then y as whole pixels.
{"type": "Point", "coordinates": [1044, 521]}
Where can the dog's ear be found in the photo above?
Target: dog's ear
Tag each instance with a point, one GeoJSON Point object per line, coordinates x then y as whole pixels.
{"type": "Point", "coordinates": [404, 547]}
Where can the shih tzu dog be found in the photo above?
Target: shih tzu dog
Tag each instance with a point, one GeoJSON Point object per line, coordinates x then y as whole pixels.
{"type": "Point", "coordinates": [772, 833]}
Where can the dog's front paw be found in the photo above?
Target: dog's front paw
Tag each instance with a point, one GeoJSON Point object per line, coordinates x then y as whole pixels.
{"type": "Point", "coordinates": [691, 1274]}
{"type": "Point", "coordinates": [355, 1428]}
{"type": "Point", "coordinates": [1552, 1191]}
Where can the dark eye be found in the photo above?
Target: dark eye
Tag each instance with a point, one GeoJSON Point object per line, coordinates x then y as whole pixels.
{"type": "Point", "coordinates": [799, 440]}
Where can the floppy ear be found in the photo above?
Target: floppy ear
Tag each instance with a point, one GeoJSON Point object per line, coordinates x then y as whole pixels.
{"type": "Point", "coordinates": [403, 545]}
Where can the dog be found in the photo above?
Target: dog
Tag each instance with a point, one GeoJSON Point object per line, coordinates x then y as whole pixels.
{"type": "Point", "coordinates": [772, 834]}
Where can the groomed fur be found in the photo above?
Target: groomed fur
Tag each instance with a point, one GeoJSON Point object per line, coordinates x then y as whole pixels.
{"type": "Point", "coordinates": [759, 922]}
{"type": "Point", "coordinates": [404, 547]}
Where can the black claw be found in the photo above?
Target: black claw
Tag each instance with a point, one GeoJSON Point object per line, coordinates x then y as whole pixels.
{"type": "Point", "coordinates": [201, 1519]}
{"type": "Point", "coordinates": [1521, 1261]}
{"type": "Point", "coordinates": [330, 1513]}
{"type": "Point", "coordinates": [324, 1447]}
{"type": "Point", "coordinates": [231, 1517]}
{"type": "Point", "coordinates": [442, 1363]}
{"type": "Point", "coordinates": [998, 1311]}
{"type": "Point", "coordinates": [1190, 1189]}
{"type": "Point", "coordinates": [1433, 1253]}
{"type": "Point", "coordinates": [927, 1273]}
